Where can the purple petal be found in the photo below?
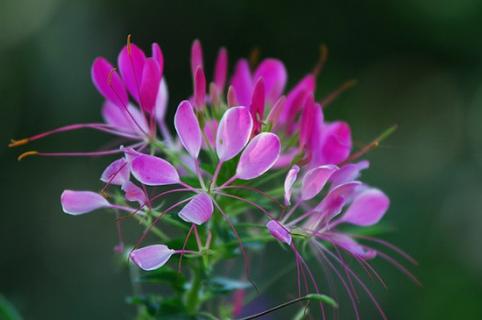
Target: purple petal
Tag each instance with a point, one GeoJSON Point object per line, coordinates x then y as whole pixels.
{"type": "Point", "coordinates": [150, 82]}
{"type": "Point", "coordinates": [234, 131]}
{"type": "Point", "coordinates": [259, 156]}
{"type": "Point", "coordinates": [187, 128]}
{"type": "Point", "coordinates": [289, 182]}
{"type": "Point", "coordinates": [129, 121]}
{"type": "Point", "coordinates": [221, 69]}
{"type": "Point", "coordinates": [199, 88]}
{"type": "Point", "coordinates": [276, 111]}
{"type": "Point", "coordinates": [367, 208]}
{"type": "Point", "coordinates": [275, 76]}
{"type": "Point", "coordinates": [116, 173]}
{"type": "Point", "coordinates": [257, 105]}
{"type": "Point", "coordinates": [196, 56]}
{"type": "Point", "coordinates": [242, 82]}
{"type": "Point", "coordinates": [154, 171]}
{"type": "Point", "coordinates": [79, 202]}
{"type": "Point", "coordinates": [336, 199]}
{"type": "Point", "coordinates": [108, 82]}
{"type": "Point", "coordinates": [337, 144]}
{"type": "Point", "coordinates": [131, 154]}
{"type": "Point", "coordinates": [134, 193]}
{"type": "Point", "coordinates": [161, 101]}
{"type": "Point", "coordinates": [131, 65]}
{"type": "Point", "coordinates": [279, 231]}
{"type": "Point", "coordinates": [347, 243]}
{"type": "Point", "coordinates": [151, 257]}
{"type": "Point", "coordinates": [348, 172]}
{"type": "Point", "coordinates": [198, 210]}
{"type": "Point", "coordinates": [307, 84]}
{"type": "Point", "coordinates": [307, 122]}
{"type": "Point", "coordinates": [285, 159]}
{"type": "Point", "coordinates": [314, 180]}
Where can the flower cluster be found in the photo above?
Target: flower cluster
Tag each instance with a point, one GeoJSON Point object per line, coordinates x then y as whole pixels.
{"type": "Point", "coordinates": [235, 139]}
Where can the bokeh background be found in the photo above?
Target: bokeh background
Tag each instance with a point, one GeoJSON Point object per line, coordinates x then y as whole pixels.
{"type": "Point", "coordinates": [418, 63]}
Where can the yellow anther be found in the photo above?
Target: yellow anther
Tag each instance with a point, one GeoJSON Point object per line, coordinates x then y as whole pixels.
{"type": "Point", "coordinates": [15, 143]}
{"type": "Point", "coordinates": [27, 154]}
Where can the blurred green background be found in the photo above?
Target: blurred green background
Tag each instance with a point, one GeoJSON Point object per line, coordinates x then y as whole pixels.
{"type": "Point", "coordinates": [418, 63]}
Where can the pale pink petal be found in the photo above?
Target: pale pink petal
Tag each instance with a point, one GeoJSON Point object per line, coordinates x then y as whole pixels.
{"type": "Point", "coordinates": [134, 193]}
{"type": "Point", "coordinates": [276, 111]}
{"type": "Point", "coordinates": [108, 82]}
{"type": "Point", "coordinates": [79, 202]}
{"type": "Point", "coordinates": [151, 257]}
{"type": "Point", "coordinates": [153, 171]}
{"type": "Point", "coordinates": [221, 69]}
{"type": "Point", "coordinates": [150, 82]}
{"type": "Point", "coordinates": [348, 172]}
{"type": "Point", "coordinates": [242, 82]}
{"type": "Point", "coordinates": [196, 56]}
{"type": "Point", "coordinates": [199, 88]}
{"type": "Point", "coordinates": [198, 210]}
{"type": "Point", "coordinates": [347, 243]}
{"type": "Point", "coordinates": [233, 133]}
{"type": "Point", "coordinates": [129, 121]}
{"type": "Point", "coordinates": [315, 179]}
{"type": "Point", "coordinates": [367, 208]}
{"type": "Point", "coordinates": [279, 231]}
{"type": "Point", "coordinates": [259, 156]}
{"type": "Point", "coordinates": [131, 62]}
{"type": "Point", "coordinates": [285, 159]}
{"type": "Point", "coordinates": [131, 154]}
{"type": "Point", "coordinates": [275, 76]}
{"type": "Point", "coordinates": [187, 128]}
{"type": "Point", "coordinates": [116, 173]}
{"type": "Point", "coordinates": [289, 182]}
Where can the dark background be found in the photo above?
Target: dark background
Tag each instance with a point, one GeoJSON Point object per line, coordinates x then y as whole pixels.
{"type": "Point", "coordinates": [418, 63]}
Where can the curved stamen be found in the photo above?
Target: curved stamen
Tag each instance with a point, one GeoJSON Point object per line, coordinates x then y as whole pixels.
{"type": "Point", "coordinates": [255, 190]}
{"type": "Point", "coordinates": [254, 204]}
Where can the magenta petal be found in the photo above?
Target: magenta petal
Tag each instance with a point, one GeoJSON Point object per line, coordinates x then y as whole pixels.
{"type": "Point", "coordinates": [307, 122]}
{"type": "Point", "coordinates": [131, 154]}
{"type": "Point", "coordinates": [275, 76]}
{"type": "Point", "coordinates": [347, 243]}
{"type": "Point", "coordinates": [79, 202]}
{"type": "Point", "coordinates": [187, 128]}
{"type": "Point", "coordinates": [257, 105]}
{"type": "Point", "coordinates": [336, 199]}
{"type": "Point", "coordinates": [161, 101]}
{"type": "Point", "coordinates": [198, 210]}
{"type": "Point", "coordinates": [153, 171]}
{"type": "Point", "coordinates": [307, 84]}
{"type": "Point", "coordinates": [279, 231]}
{"type": "Point", "coordinates": [199, 88]}
{"type": "Point", "coordinates": [151, 257]}
{"type": "Point", "coordinates": [337, 145]}
{"type": "Point", "coordinates": [276, 111]}
{"type": "Point", "coordinates": [367, 208]}
{"type": "Point", "coordinates": [259, 156]}
{"type": "Point", "coordinates": [221, 69]}
{"type": "Point", "coordinates": [130, 67]}
{"type": "Point", "coordinates": [196, 56]}
{"type": "Point", "coordinates": [242, 82]}
{"type": "Point", "coordinates": [234, 131]}
{"type": "Point", "coordinates": [315, 179]}
{"type": "Point", "coordinates": [116, 173]}
{"type": "Point", "coordinates": [108, 82]}
{"type": "Point", "coordinates": [150, 82]}
{"type": "Point", "coordinates": [348, 172]}
{"type": "Point", "coordinates": [134, 193]}
{"type": "Point", "coordinates": [129, 121]}
{"type": "Point", "coordinates": [158, 56]}
{"type": "Point", "coordinates": [289, 182]}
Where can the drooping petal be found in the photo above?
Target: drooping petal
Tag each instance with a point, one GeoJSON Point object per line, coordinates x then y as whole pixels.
{"type": "Point", "coordinates": [161, 101]}
{"type": "Point", "coordinates": [108, 82]}
{"type": "Point", "coordinates": [131, 63]}
{"type": "Point", "coordinates": [129, 121]}
{"type": "Point", "coordinates": [196, 56]}
{"type": "Point", "coordinates": [257, 105]}
{"type": "Point", "coordinates": [234, 131]}
{"type": "Point", "coordinates": [348, 172]}
{"type": "Point", "coordinates": [347, 243]}
{"type": "Point", "coordinates": [242, 82]}
{"type": "Point", "coordinates": [116, 173]}
{"type": "Point", "coordinates": [153, 171]}
{"type": "Point", "coordinates": [367, 208]}
{"type": "Point", "coordinates": [151, 257]}
{"type": "Point", "coordinates": [150, 82]}
{"type": "Point", "coordinates": [134, 193]}
{"type": "Point", "coordinates": [221, 69]}
{"type": "Point", "coordinates": [279, 232]}
{"type": "Point", "coordinates": [289, 182]}
{"type": "Point", "coordinates": [199, 88]}
{"type": "Point", "coordinates": [307, 84]}
{"type": "Point", "coordinates": [198, 210]}
{"type": "Point", "coordinates": [259, 156]}
{"type": "Point", "coordinates": [337, 198]}
{"type": "Point", "coordinates": [275, 76]}
{"type": "Point", "coordinates": [187, 128]}
{"type": "Point", "coordinates": [315, 179]}
{"type": "Point", "coordinates": [79, 202]}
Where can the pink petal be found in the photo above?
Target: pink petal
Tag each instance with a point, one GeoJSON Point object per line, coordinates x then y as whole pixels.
{"type": "Point", "coordinates": [289, 182]}
{"type": "Point", "coordinates": [367, 208]}
{"type": "Point", "coordinates": [129, 121]}
{"type": "Point", "coordinates": [279, 231]}
{"type": "Point", "coordinates": [315, 179]}
{"type": "Point", "coordinates": [307, 121]}
{"type": "Point", "coordinates": [161, 101]}
{"type": "Point", "coordinates": [79, 202]}
{"type": "Point", "coordinates": [158, 56]}
{"type": "Point", "coordinates": [234, 131]}
{"type": "Point", "coordinates": [347, 243]}
{"type": "Point", "coordinates": [210, 129]}
{"type": "Point", "coordinates": [336, 199]}
{"type": "Point", "coordinates": [337, 145]}
{"type": "Point", "coordinates": [150, 82]}
{"type": "Point", "coordinates": [276, 111]}
{"type": "Point", "coordinates": [151, 257]}
{"type": "Point", "coordinates": [130, 67]}
{"type": "Point", "coordinates": [307, 84]}
{"type": "Point", "coordinates": [257, 105]}
{"type": "Point", "coordinates": [108, 82]}
{"type": "Point", "coordinates": [232, 99]}
{"type": "Point", "coordinates": [134, 193]}
{"type": "Point", "coordinates": [198, 210]}
{"type": "Point", "coordinates": [242, 82]}
{"type": "Point", "coordinates": [187, 128]}
{"type": "Point", "coordinates": [196, 56]}
{"type": "Point", "coordinates": [275, 76]}
{"type": "Point", "coordinates": [116, 173]}
{"type": "Point", "coordinates": [285, 159]}
{"type": "Point", "coordinates": [199, 88]}
{"type": "Point", "coordinates": [221, 69]}
{"type": "Point", "coordinates": [131, 154]}
{"type": "Point", "coordinates": [153, 171]}
{"type": "Point", "coordinates": [348, 172]}
{"type": "Point", "coordinates": [259, 156]}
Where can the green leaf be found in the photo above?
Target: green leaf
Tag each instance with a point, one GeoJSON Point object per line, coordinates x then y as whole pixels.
{"type": "Point", "coordinates": [7, 310]}
{"type": "Point", "coordinates": [165, 275]}
{"type": "Point", "coordinates": [322, 298]}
